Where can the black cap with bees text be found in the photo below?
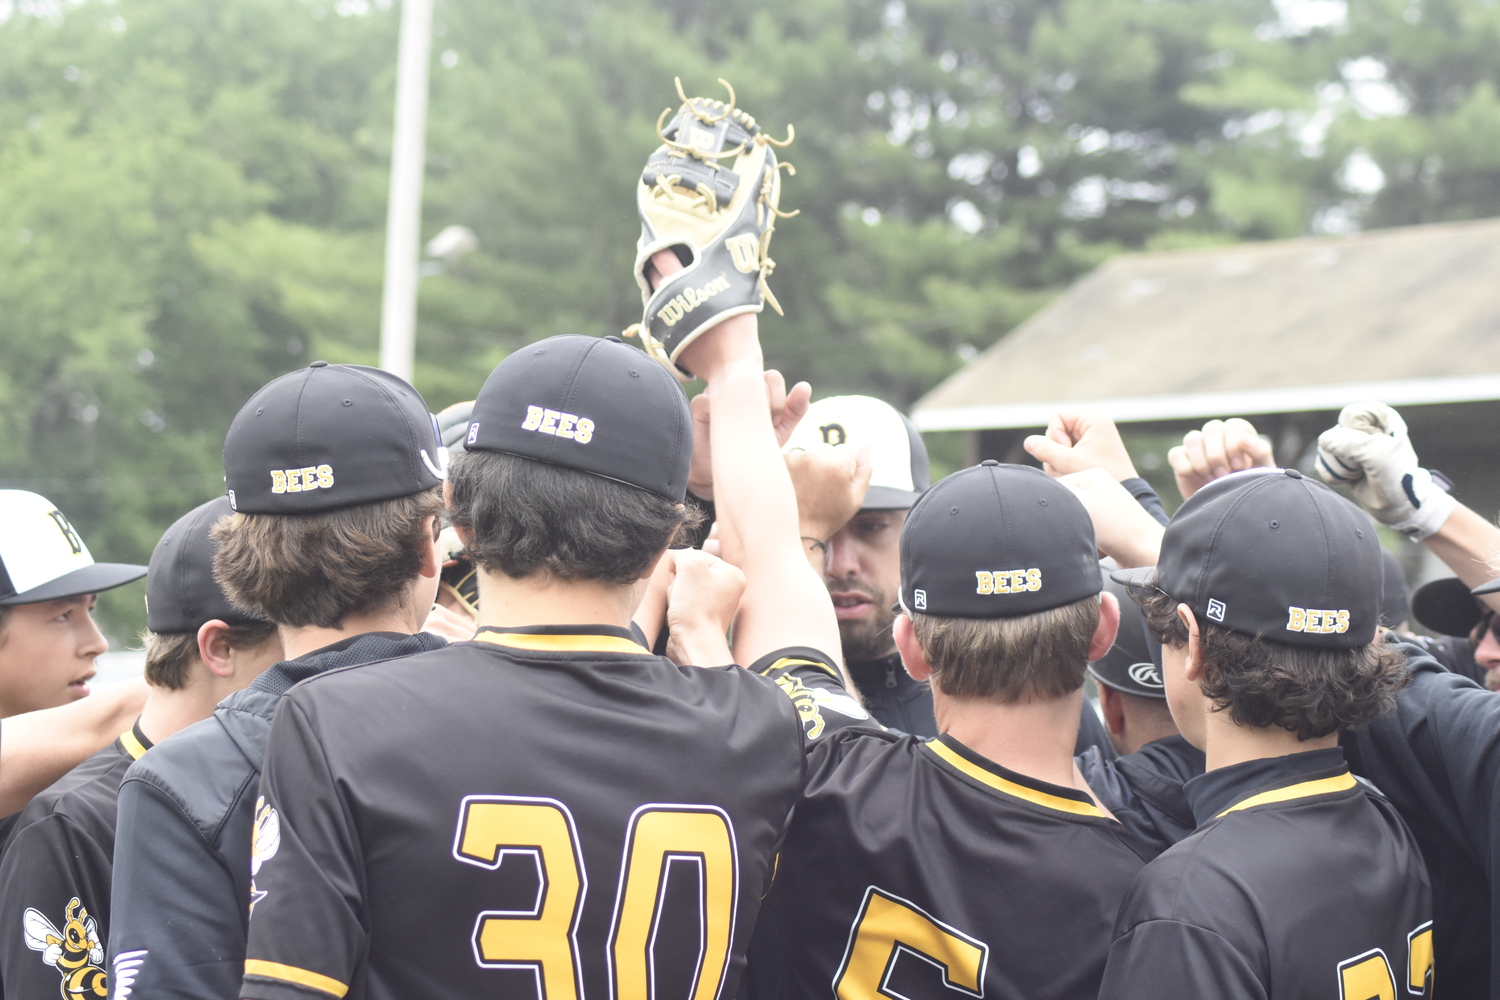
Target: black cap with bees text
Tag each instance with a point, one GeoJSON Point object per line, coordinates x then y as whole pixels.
{"type": "Point", "coordinates": [1276, 554]}
{"type": "Point", "coordinates": [997, 541]}
{"type": "Point", "coordinates": [589, 404]}
{"type": "Point", "coordinates": [181, 593]}
{"type": "Point", "coordinates": [331, 436]}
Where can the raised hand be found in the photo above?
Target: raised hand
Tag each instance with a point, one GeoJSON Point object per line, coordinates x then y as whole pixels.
{"type": "Point", "coordinates": [1221, 447]}
{"type": "Point", "coordinates": [1076, 441]}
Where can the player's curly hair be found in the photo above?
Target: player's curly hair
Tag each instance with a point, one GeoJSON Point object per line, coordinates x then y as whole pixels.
{"type": "Point", "coordinates": [313, 569]}
{"type": "Point", "coordinates": [1308, 691]}
{"type": "Point", "coordinates": [1032, 657]}
{"type": "Point", "coordinates": [531, 517]}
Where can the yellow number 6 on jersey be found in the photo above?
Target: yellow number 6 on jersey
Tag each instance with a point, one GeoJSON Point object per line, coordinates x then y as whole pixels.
{"type": "Point", "coordinates": [886, 925]}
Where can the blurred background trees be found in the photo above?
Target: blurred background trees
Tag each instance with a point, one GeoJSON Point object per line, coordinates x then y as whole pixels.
{"type": "Point", "coordinates": [192, 192]}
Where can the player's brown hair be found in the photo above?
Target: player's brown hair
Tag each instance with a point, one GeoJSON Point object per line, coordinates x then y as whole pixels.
{"type": "Point", "coordinates": [1030, 658]}
{"type": "Point", "coordinates": [170, 655]}
{"type": "Point", "coordinates": [529, 517]}
{"type": "Point", "coordinates": [313, 569]}
{"type": "Point", "coordinates": [1263, 683]}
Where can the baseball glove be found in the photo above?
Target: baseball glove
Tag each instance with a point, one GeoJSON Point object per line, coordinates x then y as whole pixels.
{"type": "Point", "coordinates": [711, 192]}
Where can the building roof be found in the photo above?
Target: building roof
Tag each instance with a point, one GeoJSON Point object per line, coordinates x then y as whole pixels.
{"type": "Point", "coordinates": [1408, 316]}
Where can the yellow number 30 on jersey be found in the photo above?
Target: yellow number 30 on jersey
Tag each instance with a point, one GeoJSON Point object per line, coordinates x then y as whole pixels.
{"type": "Point", "coordinates": [545, 938]}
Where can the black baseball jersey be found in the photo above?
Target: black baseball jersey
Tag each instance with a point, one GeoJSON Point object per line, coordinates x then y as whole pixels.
{"type": "Point", "coordinates": [912, 864]}
{"type": "Point", "coordinates": [1437, 758]}
{"type": "Point", "coordinates": [548, 812]}
{"type": "Point", "coordinates": [1298, 883]}
{"type": "Point", "coordinates": [55, 877]}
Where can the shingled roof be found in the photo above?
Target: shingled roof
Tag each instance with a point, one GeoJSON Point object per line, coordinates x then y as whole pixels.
{"type": "Point", "coordinates": [1408, 315]}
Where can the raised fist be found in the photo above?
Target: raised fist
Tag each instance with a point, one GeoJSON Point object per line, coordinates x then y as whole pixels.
{"type": "Point", "coordinates": [1370, 452]}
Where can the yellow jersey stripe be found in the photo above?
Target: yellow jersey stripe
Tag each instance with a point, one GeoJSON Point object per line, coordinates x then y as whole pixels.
{"type": "Point", "coordinates": [564, 643]}
{"type": "Point", "coordinates": [1301, 790]}
{"type": "Point", "coordinates": [292, 974]}
{"type": "Point", "coordinates": [132, 745]}
{"type": "Point", "coordinates": [792, 661]}
{"type": "Point", "coordinates": [1020, 791]}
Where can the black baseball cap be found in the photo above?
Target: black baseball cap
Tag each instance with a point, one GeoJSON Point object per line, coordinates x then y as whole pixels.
{"type": "Point", "coordinates": [1133, 663]}
{"type": "Point", "coordinates": [42, 557]}
{"type": "Point", "coordinates": [1272, 553]}
{"type": "Point", "coordinates": [181, 593]}
{"type": "Point", "coordinates": [330, 436]}
{"type": "Point", "coordinates": [997, 541]}
{"type": "Point", "coordinates": [589, 404]}
{"type": "Point", "coordinates": [1446, 606]}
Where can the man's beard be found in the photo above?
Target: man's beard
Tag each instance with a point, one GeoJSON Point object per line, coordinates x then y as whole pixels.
{"type": "Point", "coordinates": [869, 638]}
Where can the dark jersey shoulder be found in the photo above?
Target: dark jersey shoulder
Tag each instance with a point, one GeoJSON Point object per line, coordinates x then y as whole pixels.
{"type": "Point", "coordinates": [1289, 889]}
{"type": "Point", "coordinates": [55, 878]}
{"type": "Point", "coordinates": [909, 862]}
{"type": "Point", "coordinates": [445, 803]}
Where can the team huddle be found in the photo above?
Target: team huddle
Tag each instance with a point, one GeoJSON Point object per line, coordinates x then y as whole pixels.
{"type": "Point", "coordinates": [584, 689]}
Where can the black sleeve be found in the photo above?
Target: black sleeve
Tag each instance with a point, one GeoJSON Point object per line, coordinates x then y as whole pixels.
{"type": "Point", "coordinates": [53, 873]}
{"type": "Point", "coordinates": [1437, 759]}
{"type": "Point", "coordinates": [1170, 960]}
{"type": "Point", "coordinates": [306, 931]}
{"type": "Point", "coordinates": [1146, 497]}
{"type": "Point", "coordinates": [813, 681]}
{"type": "Point", "coordinates": [177, 925]}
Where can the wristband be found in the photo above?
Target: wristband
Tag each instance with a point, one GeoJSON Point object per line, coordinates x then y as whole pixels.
{"type": "Point", "coordinates": [1431, 511]}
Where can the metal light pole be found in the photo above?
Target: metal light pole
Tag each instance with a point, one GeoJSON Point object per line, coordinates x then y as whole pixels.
{"type": "Point", "coordinates": [403, 227]}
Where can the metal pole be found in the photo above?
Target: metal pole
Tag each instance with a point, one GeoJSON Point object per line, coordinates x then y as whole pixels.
{"type": "Point", "coordinates": [403, 227]}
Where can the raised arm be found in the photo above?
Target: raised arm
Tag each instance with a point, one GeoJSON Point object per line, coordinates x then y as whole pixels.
{"type": "Point", "coordinates": [37, 748]}
{"type": "Point", "coordinates": [785, 602]}
{"type": "Point", "coordinates": [1369, 451]}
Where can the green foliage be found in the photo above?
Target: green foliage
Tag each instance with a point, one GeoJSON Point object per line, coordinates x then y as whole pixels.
{"type": "Point", "coordinates": [192, 192]}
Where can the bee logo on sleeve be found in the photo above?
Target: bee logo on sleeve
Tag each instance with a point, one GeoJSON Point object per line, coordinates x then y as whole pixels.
{"type": "Point", "coordinates": [265, 838]}
{"type": "Point", "coordinates": [564, 425]}
{"type": "Point", "coordinates": [304, 480]}
{"type": "Point", "coordinates": [75, 951]}
{"type": "Point", "coordinates": [812, 701]}
{"type": "Point", "coordinates": [1318, 620]}
{"type": "Point", "coordinates": [1007, 581]}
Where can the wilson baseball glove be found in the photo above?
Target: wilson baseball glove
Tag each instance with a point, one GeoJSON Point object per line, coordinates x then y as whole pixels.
{"type": "Point", "coordinates": [711, 192]}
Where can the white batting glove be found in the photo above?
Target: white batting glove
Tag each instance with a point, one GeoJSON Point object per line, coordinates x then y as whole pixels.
{"type": "Point", "coordinates": [1369, 452]}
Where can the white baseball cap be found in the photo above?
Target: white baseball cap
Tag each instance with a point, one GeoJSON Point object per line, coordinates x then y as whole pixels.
{"type": "Point", "coordinates": [899, 469]}
{"type": "Point", "coordinates": [43, 559]}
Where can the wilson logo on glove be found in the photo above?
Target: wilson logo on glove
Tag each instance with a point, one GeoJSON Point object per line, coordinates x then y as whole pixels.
{"type": "Point", "coordinates": [690, 299]}
{"type": "Point", "coordinates": [711, 194]}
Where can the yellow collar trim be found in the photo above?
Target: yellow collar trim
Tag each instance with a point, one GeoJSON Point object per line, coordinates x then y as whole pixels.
{"type": "Point", "coordinates": [564, 643]}
{"type": "Point", "coordinates": [1020, 791]}
{"type": "Point", "coordinates": [1301, 790]}
{"type": "Point", "coordinates": [292, 974]}
{"type": "Point", "coordinates": [132, 745]}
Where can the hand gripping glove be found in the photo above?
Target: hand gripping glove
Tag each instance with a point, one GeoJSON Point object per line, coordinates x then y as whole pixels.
{"type": "Point", "coordinates": [721, 216]}
{"type": "Point", "coordinates": [1369, 452]}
